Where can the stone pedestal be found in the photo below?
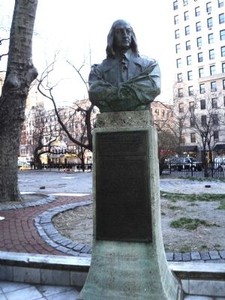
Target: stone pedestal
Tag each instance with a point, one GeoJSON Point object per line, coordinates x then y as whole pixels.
{"type": "Point", "coordinates": [128, 258]}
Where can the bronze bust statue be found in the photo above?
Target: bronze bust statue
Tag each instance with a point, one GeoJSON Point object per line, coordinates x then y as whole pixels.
{"type": "Point", "coordinates": [124, 81]}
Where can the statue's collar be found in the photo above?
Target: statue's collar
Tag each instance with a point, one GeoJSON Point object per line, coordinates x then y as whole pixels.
{"type": "Point", "coordinates": [126, 55]}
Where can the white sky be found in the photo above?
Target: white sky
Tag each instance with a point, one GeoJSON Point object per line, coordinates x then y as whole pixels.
{"type": "Point", "coordinates": [76, 30]}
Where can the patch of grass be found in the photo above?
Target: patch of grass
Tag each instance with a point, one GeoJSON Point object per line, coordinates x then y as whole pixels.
{"type": "Point", "coordinates": [185, 248]}
{"type": "Point", "coordinates": [203, 179]}
{"type": "Point", "coordinates": [193, 204]}
{"type": "Point", "coordinates": [174, 207]}
{"type": "Point", "coordinates": [193, 197]}
{"type": "Point", "coordinates": [203, 247]}
{"type": "Point", "coordinates": [189, 224]}
{"type": "Point", "coordinates": [222, 205]}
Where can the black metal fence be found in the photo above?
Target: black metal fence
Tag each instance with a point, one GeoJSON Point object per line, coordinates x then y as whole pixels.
{"type": "Point", "coordinates": [210, 171]}
{"type": "Point", "coordinates": [68, 167]}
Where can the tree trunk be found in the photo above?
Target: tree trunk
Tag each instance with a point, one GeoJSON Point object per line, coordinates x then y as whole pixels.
{"type": "Point", "coordinates": [19, 75]}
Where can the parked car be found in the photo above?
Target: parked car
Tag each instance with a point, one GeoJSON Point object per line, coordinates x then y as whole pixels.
{"type": "Point", "coordinates": [219, 163]}
{"type": "Point", "coordinates": [185, 163]}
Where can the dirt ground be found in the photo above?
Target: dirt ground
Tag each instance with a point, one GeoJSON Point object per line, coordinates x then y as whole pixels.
{"type": "Point", "coordinates": [77, 225]}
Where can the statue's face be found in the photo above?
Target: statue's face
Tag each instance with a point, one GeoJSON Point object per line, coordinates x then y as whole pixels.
{"type": "Point", "coordinates": [123, 36]}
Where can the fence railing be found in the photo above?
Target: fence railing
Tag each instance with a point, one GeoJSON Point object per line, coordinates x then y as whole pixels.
{"type": "Point", "coordinates": [193, 170]}
{"type": "Point", "coordinates": [68, 167]}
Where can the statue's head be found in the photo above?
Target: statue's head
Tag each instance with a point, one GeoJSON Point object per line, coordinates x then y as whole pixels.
{"type": "Point", "coordinates": [121, 37]}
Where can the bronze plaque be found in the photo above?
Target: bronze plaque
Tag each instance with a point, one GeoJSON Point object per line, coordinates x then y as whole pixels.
{"type": "Point", "coordinates": [122, 187]}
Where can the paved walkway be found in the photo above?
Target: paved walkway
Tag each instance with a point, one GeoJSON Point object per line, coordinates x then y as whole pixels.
{"type": "Point", "coordinates": [23, 291]}
{"type": "Point", "coordinates": [28, 228]}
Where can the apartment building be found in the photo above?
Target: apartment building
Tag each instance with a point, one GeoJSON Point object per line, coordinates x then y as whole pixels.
{"type": "Point", "coordinates": [199, 60]}
{"type": "Point", "coordinates": [162, 115]}
{"type": "Point", "coordinates": [56, 146]}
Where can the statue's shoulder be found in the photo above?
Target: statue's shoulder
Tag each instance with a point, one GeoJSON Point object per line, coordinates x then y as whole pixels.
{"type": "Point", "coordinates": [145, 61]}
{"type": "Point", "coordinates": [104, 66]}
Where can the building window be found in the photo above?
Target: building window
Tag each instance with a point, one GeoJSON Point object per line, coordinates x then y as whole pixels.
{"type": "Point", "coordinates": [177, 48]}
{"type": "Point", "coordinates": [210, 38]}
{"type": "Point", "coordinates": [201, 72]}
{"type": "Point", "coordinates": [190, 91]}
{"type": "Point", "coordinates": [176, 19]}
{"type": "Point", "coordinates": [223, 67]}
{"type": "Point", "coordinates": [220, 3]}
{"type": "Point", "coordinates": [186, 15]}
{"type": "Point", "coordinates": [188, 45]}
{"type": "Point", "coordinates": [215, 119]}
{"type": "Point", "coordinates": [212, 69]}
{"type": "Point", "coordinates": [177, 34]}
{"type": "Point", "coordinates": [197, 11]}
{"type": "Point", "coordinates": [198, 26]}
{"type": "Point", "coordinates": [216, 135]}
{"type": "Point", "coordinates": [189, 75]}
{"type": "Point", "coordinates": [203, 120]}
{"type": "Point", "coordinates": [185, 2]}
{"type": "Point", "coordinates": [179, 77]}
{"type": "Point", "coordinates": [224, 86]}
{"type": "Point", "coordinates": [189, 60]}
{"type": "Point", "coordinates": [178, 62]}
{"type": "Point", "coordinates": [223, 51]}
{"type": "Point", "coordinates": [193, 137]}
{"type": "Point", "coordinates": [214, 103]}
{"type": "Point", "coordinates": [180, 92]}
{"type": "Point", "coordinates": [202, 88]}
{"type": "Point", "coordinates": [213, 86]}
{"type": "Point", "coordinates": [192, 121]}
{"type": "Point", "coordinates": [211, 54]}
{"type": "Point", "coordinates": [199, 42]}
{"type": "Point", "coordinates": [181, 107]}
{"type": "Point", "coordinates": [221, 18]}
{"type": "Point", "coordinates": [187, 30]}
{"type": "Point", "coordinates": [200, 57]}
{"type": "Point", "coordinates": [202, 104]}
{"type": "Point", "coordinates": [209, 23]}
{"type": "Point", "coordinates": [208, 7]}
{"type": "Point", "coordinates": [222, 35]}
{"type": "Point", "coordinates": [175, 5]}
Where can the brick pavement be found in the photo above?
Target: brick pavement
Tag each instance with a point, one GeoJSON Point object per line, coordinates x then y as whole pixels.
{"type": "Point", "coordinates": [28, 228]}
{"type": "Point", "coordinates": [18, 231]}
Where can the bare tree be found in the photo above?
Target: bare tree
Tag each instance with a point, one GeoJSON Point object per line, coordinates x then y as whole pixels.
{"type": "Point", "coordinates": [168, 138]}
{"type": "Point", "coordinates": [19, 75]}
{"type": "Point", "coordinates": [42, 134]}
{"type": "Point", "coordinates": [167, 146]}
{"type": "Point", "coordinates": [206, 125]}
{"type": "Point", "coordinates": [84, 139]}
{"type": "Point", "coordinates": [3, 54]}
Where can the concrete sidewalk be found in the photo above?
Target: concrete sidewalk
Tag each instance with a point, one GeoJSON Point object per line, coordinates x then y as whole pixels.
{"type": "Point", "coordinates": [24, 291]}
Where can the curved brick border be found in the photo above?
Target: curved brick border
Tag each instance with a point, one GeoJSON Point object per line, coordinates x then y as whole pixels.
{"type": "Point", "coordinates": [45, 199]}
{"type": "Point", "coordinates": [51, 235]}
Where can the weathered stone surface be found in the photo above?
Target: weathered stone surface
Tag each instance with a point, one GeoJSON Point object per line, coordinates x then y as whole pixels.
{"type": "Point", "coordinates": [122, 268]}
{"type": "Point", "coordinates": [125, 120]}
